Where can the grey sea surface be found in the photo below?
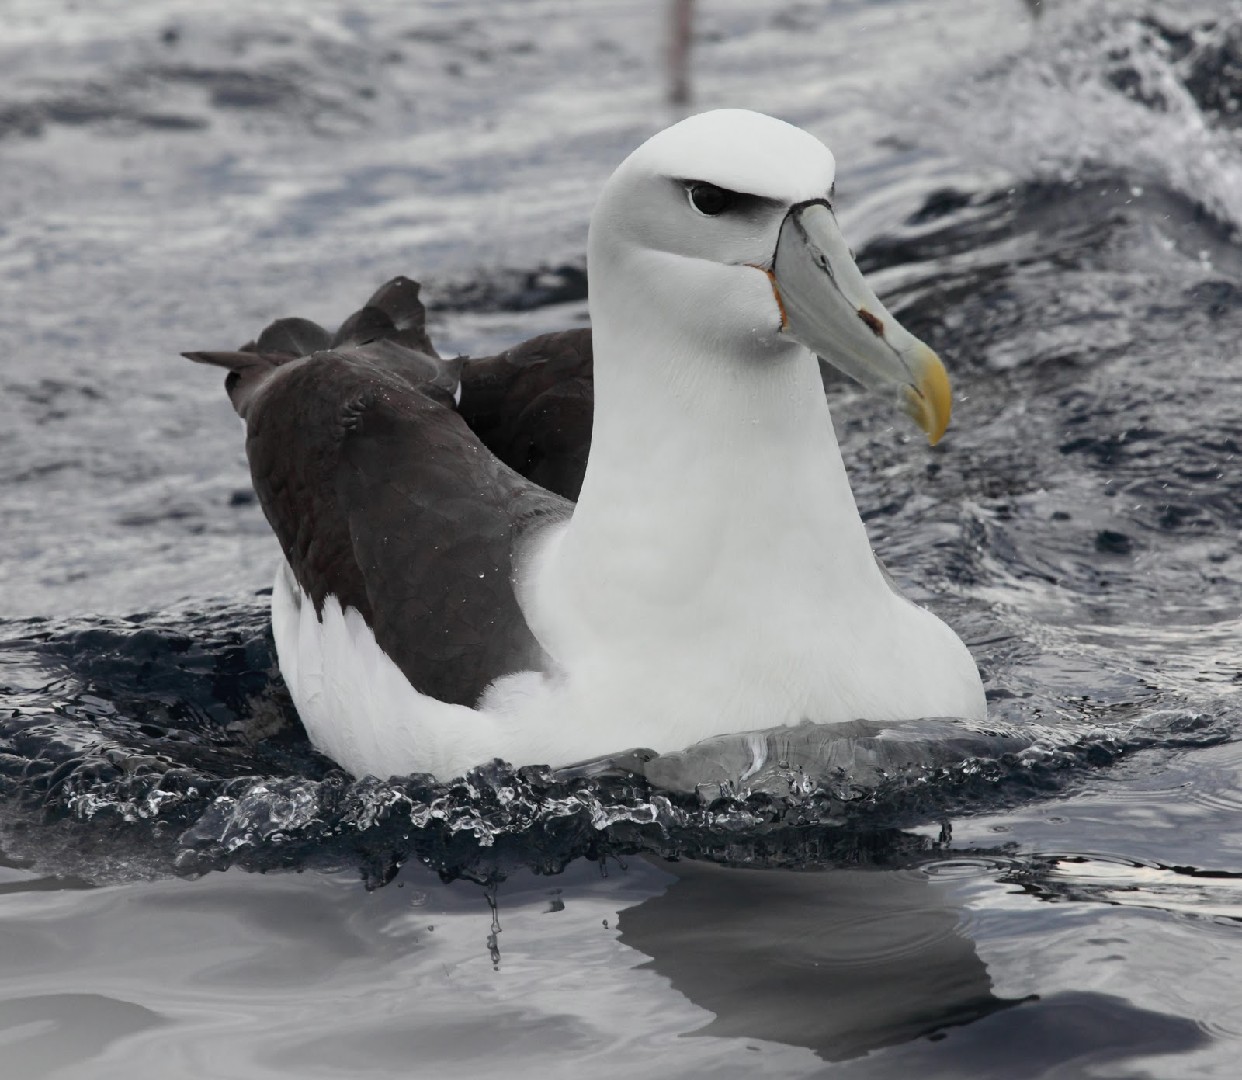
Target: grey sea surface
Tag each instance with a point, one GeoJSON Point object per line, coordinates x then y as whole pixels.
{"type": "Point", "coordinates": [1050, 194]}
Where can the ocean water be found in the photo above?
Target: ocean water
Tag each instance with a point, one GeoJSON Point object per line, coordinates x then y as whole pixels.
{"type": "Point", "coordinates": [1050, 194]}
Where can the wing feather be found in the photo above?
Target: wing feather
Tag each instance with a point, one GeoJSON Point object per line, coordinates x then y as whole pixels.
{"type": "Point", "coordinates": [383, 496]}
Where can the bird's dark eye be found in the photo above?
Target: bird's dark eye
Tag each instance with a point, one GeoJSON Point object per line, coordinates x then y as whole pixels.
{"type": "Point", "coordinates": [709, 199]}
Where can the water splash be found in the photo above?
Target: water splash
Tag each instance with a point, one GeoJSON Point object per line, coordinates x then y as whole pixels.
{"type": "Point", "coordinates": [225, 778]}
{"type": "Point", "coordinates": [1151, 94]}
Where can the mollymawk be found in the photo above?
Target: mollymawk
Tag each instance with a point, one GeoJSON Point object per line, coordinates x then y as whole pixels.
{"type": "Point", "coordinates": [440, 604]}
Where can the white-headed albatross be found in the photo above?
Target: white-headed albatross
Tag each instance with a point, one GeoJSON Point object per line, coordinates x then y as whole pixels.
{"type": "Point", "coordinates": [437, 608]}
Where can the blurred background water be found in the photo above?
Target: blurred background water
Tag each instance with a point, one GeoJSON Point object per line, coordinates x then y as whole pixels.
{"type": "Point", "coordinates": [1051, 195]}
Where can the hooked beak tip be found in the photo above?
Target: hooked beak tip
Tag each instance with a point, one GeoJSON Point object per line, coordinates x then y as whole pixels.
{"type": "Point", "coordinates": [929, 401]}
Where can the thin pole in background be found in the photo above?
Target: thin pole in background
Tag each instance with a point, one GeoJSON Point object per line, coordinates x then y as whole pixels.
{"type": "Point", "coordinates": [681, 23]}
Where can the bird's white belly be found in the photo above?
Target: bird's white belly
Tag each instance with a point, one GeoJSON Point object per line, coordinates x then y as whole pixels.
{"type": "Point", "coordinates": [359, 709]}
{"type": "Point", "coordinates": [666, 690]}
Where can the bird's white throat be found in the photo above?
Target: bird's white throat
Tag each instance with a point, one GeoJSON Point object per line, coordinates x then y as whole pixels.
{"type": "Point", "coordinates": [710, 494]}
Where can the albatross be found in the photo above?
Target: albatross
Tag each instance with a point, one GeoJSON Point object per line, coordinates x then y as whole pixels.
{"type": "Point", "coordinates": [443, 601]}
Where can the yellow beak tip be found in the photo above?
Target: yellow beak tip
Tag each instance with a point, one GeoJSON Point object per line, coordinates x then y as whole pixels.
{"type": "Point", "coordinates": [930, 402]}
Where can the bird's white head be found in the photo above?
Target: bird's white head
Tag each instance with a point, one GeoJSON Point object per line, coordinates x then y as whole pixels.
{"type": "Point", "coordinates": [719, 231]}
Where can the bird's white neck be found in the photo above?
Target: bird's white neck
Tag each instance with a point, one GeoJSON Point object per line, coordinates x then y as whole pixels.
{"type": "Point", "coordinates": [715, 491]}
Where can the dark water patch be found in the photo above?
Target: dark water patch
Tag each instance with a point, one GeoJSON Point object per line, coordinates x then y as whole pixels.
{"type": "Point", "coordinates": [1203, 56]}
{"type": "Point", "coordinates": [117, 117]}
{"type": "Point", "coordinates": [190, 689]}
{"type": "Point", "coordinates": [1083, 223]}
{"type": "Point", "coordinates": [721, 935]}
{"type": "Point", "coordinates": [48, 399]}
{"type": "Point", "coordinates": [511, 290]}
{"type": "Point", "coordinates": [191, 77]}
{"type": "Point", "coordinates": [1064, 341]}
{"type": "Point", "coordinates": [1071, 1033]}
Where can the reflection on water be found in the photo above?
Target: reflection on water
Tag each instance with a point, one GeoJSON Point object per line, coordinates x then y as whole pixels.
{"type": "Point", "coordinates": [845, 974]}
{"type": "Point", "coordinates": [1215, 894]}
{"type": "Point", "coordinates": [841, 962]}
{"type": "Point", "coordinates": [1076, 1034]}
{"type": "Point", "coordinates": [309, 975]}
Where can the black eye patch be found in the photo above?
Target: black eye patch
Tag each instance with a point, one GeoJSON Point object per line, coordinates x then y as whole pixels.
{"type": "Point", "coordinates": [709, 199]}
{"type": "Point", "coordinates": [712, 200]}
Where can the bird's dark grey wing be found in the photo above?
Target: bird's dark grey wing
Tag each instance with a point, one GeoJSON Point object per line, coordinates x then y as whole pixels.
{"type": "Point", "coordinates": [435, 523]}
{"type": "Point", "coordinates": [532, 406]}
{"type": "Point", "coordinates": [382, 496]}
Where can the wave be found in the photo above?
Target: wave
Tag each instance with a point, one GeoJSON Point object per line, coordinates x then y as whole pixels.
{"type": "Point", "coordinates": [1150, 93]}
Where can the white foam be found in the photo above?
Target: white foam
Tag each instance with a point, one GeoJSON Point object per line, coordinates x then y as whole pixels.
{"type": "Point", "coordinates": [1049, 112]}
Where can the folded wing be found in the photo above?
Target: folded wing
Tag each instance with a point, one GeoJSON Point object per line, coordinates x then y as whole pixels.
{"type": "Point", "coordinates": [383, 496]}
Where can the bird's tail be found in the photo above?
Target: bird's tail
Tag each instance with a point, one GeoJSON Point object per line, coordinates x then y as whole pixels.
{"type": "Point", "coordinates": [393, 314]}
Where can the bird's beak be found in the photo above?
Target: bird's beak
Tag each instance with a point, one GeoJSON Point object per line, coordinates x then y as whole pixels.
{"type": "Point", "coordinates": [827, 306]}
